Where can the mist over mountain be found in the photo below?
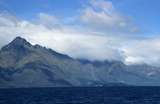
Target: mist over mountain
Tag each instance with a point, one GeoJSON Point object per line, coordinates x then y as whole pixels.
{"type": "Point", "coordinates": [25, 65]}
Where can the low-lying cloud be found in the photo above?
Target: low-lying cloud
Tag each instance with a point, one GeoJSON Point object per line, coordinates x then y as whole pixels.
{"type": "Point", "coordinates": [92, 44]}
{"type": "Point", "coordinates": [64, 39]}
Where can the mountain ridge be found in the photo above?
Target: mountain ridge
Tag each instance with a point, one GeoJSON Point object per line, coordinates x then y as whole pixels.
{"type": "Point", "coordinates": [25, 65]}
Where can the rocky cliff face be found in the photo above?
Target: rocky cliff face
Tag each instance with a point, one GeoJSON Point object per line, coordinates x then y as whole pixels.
{"type": "Point", "coordinates": [26, 65]}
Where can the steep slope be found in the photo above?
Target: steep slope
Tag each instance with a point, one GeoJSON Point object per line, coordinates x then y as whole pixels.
{"type": "Point", "coordinates": [22, 64]}
{"type": "Point", "coordinates": [115, 71]}
{"type": "Point", "coordinates": [25, 65]}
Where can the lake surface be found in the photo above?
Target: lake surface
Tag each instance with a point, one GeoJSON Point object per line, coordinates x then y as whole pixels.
{"type": "Point", "coordinates": [106, 95]}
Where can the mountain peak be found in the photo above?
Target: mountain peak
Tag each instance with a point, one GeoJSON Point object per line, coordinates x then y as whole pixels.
{"type": "Point", "coordinates": [17, 42]}
{"type": "Point", "coordinates": [20, 41]}
{"type": "Point", "coordinates": [18, 38]}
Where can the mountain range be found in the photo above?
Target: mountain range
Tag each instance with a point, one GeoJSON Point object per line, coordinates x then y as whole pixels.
{"type": "Point", "coordinates": [25, 65]}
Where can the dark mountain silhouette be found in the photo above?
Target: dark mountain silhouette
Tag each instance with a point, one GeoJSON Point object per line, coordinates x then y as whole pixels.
{"type": "Point", "coordinates": [25, 65]}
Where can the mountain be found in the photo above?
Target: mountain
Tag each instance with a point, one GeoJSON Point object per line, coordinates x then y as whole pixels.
{"type": "Point", "coordinates": [25, 65]}
{"type": "Point", "coordinates": [137, 75]}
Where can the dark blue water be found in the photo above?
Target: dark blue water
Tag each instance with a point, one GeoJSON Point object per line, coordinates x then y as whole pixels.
{"type": "Point", "coordinates": [108, 95]}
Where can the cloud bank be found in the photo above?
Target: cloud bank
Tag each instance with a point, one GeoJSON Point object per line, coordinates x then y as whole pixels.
{"type": "Point", "coordinates": [98, 35]}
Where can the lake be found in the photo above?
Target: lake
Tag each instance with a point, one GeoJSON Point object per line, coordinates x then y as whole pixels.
{"type": "Point", "coordinates": [81, 95]}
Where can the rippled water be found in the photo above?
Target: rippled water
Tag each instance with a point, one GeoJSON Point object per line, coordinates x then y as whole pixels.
{"type": "Point", "coordinates": [107, 95]}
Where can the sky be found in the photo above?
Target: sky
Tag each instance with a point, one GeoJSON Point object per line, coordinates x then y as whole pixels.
{"type": "Point", "coordinates": [121, 30]}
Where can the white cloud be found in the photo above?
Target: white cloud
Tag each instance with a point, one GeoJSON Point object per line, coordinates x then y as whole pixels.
{"type": "Point", "coordinates": [47, 20]}
{"type": "Point", "coordinates": [106, 6]}
{"type": "Point", "coordinates": [66, 40]}
{"type": "Point", "coordinates": [92, 44]}
{"type": "Point", "coordinates": [103, 16]}
{"type": "Point", "coordinates": [145, 51]}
